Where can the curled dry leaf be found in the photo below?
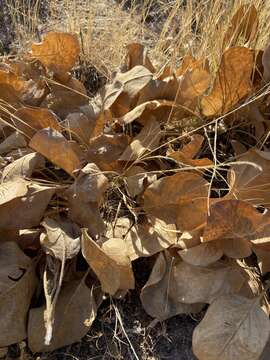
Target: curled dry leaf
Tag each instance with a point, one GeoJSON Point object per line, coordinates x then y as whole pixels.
{"type": "Point", "coordinates": [75, 312]}
{"type": "Point", "coordinates": [62, 239]}
{"type": "Point", "coordinates": [23, 167]}
{"type": "Point", "coordinates": [137, 179]}
{"type": "Point", "coordinates": [25, 200]}
{"type": "Point", "coordinates": [189, 151]}
{"type": "Point", "coordinates": [233, 223]}
{"type": "Point", "coordinates": [14, 141]}
{"type": "Point", "coordinates": [58, 52]}
{"type": "Point", "coordinates": [250, 180]}
{"type": "Point", "coordinates": [244, 25]}
{"type": "Point", "coordinates": [79, 127]}
{"type": "Point", "coordinates": [110, 262]}
{"type": "Point", "coordinates": [179, 199]}
{"type": "Point", "coordinates": [30, 119]}
{"type": "Point", "coordinates": [56, 148]}
{"type": "Point", "coordinates": [146, 141]}
{"type": "Point", "coordinates": [85, 196]}
{"type": "Point", "coordinates": [157, 296]}
{"type": "Point", "coordinates": [125, 87]}
{"type": "Point", "coordinates": [105, 150]}
{"type": "Point", "coordinates": [234, 327]}
{"type": "Point", "coordinates": [232, 82]}
{"type": "Point", "coordinates": [17, 285]}
{"type": "Point", "coordinates": [137, 55]}
{"type": "Point", "coordinates": [147, 239]}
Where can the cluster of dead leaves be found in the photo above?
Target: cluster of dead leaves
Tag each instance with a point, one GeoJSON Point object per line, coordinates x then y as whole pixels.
{"type": "Point", "coordinates": [86, 190]}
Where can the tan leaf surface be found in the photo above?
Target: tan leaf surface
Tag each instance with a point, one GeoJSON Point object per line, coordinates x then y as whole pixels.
{"type": "Point", "coordinates": [23, 167]}
{"type": "Point", "coordinates": [110, 262]}
{"type": "Point", "coordinates": [158, 297]}
{"type": "Point", "coordinates": [234, 327]}
{"type": "Point", "coordinates": [232, 82]}
{"type": "Point", "coordinates": [137, 55]}
{"type": "Point", "coordinates": [58, 51]}
{"type": "Point", "coordinates": [55, 147]}
{"type": "Point", "coordinates": [26, 201]}
{"type": "Point", "coordinates": [250, 181]}
{"type": "Point", "coordinates": [62, 239]}
{"type": "Point", "coordinates": [244, 24]}
{"type": "Point", "coordinates": [178, 199]}
{"type": "Point", "coordinates": [146, 141]}
{"type": "Point", "coordinates": [75, 312]}
{"type": "Point", "coordinates": [17, 286]}
{"type": "Point", "coordinates": [128, 85]}
{"type": "Point", "coordinates": [30, 119]}
{"type": "Point", "coordinates": [233, 223]}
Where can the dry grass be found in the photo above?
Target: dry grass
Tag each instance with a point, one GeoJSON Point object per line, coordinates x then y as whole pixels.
{"type": "Point", "coordinates": [170, 28]}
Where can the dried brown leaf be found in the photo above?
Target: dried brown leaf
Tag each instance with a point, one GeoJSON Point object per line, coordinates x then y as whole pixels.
{"type": "Point", "coordinates": [55, 147]}
{"type": "Point", "coordinates": [232, 82]}
{"type": "Point", "coordinates": [110, 262]}
{"type": "Point", "coordinates": [234, 327]}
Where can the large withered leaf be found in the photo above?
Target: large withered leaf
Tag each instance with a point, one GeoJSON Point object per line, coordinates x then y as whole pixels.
{"type": "Point", "coordinates": [137, 55]}
{"type": "Point", "coordinates": [179, 199]}
{"type": "Point", "coordinates": [58, 52]}
{"type": "Point", "coordinates": [23, 167]}
{"type": "Point", "coordinates": [110, 262]}
{"type": "Point", "coordinates": [233, 223]}
{"type": "Point", "coordinates": [202, 254]}
{"type": "Point", "coordinates": [22, 203]}
{"type": "Point", "coordinates": [250, 180]}
{"type": "Point", "coordinates": [75, 312]}
{"type": "Point", "coordinates": [14, 141]}
{"type": "Point", "coordinates": [30, 119]}
{"type": "Point", "coordinates": [243, 25]}
{"type": "Point", "coordinates": [17, 285]}
{"type": "Point", "coordinates": [146, 141]}
{"type": "Point", "coordinates": [150, 109]}
{"type": "Point", "coordinates": [234, 327]}
{"type": "Point", "coordinates": [147, 239]}
{"type": "Point", "coordinates": [232, 82]}
{"type": "Point", "coordinates": [84, 197]}
{"type": "Point", "coordinates": [128, 85]}
{"type": "Point", "coordinates": [62, 238]}
{"type": "Point", "coordinates": [79, 127]}
{"type": "Point", "coordinates": [105, 150]}
{"type": "Point", "coordinates": [55, 147]}
{"type": "Point", "coordinates": [157, 296]}
{"type": "Point", "coordinates": [189, 151]}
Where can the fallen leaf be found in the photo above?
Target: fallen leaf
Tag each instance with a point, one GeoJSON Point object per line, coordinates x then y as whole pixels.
{"type": "Point", "coordinates": [244, 24]}
{"type": "Point", "coordinates": [55, 147]}
{"type": "Point", "coordinates": [62, 239]}
{"type": "Point", "coordinates": [232, 223]}
{"type": "Point", "coordinates": [128, 85]}
{"type": "Point", "coordinates": [178, 199]}
{"type": "Point", "coordinates": [105, 150]}
{"type": "Point", "coordinates": [234, 327]}
{"type": "Point", "coordinates": [110, 263]}
{"type": "Point", "coordinates": [232, 82]}
{"type": "Point", "coordinates": [146, 141]}
{"type": "Point", "coordinates": [23, 167]}
{"type": "Point", "coordinates": [26, 201]}
{"type": "Point", "coordinates": [249, 180]}
{"type": "Point", "coordinates": [79, 127]}
{"type": "Point", "coordinates": [137, 55]}
{"type": "Point", "coordinates": [157, 295]}
{"type": "Point", "coordinates": [17, 285]}
{"type": "Point", "coordinates": [30, 119]}
{"type": "Point", "coordinates": [75, 312]}
{"type": "Point", "coordinates": [58, 51]}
